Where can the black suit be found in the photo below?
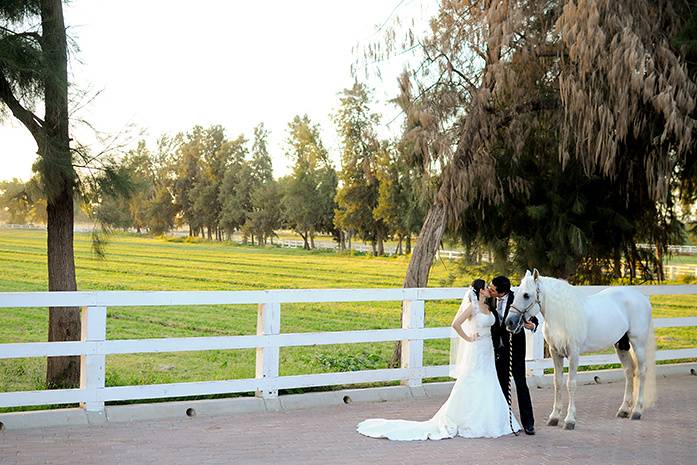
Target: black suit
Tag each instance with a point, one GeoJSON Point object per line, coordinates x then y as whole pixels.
{"type": "Point", "coordinates": [500, 337]}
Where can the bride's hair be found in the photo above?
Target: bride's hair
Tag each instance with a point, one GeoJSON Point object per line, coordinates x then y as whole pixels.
{"type": "Point", "coordinates": [478, 285]}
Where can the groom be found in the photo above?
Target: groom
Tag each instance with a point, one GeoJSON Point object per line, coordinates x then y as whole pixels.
{"type": "Point", "coordinates": [500, 303]}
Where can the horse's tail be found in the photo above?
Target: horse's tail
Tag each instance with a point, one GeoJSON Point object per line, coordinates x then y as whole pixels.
{"type": "Point", "coordinates": [650, 390]}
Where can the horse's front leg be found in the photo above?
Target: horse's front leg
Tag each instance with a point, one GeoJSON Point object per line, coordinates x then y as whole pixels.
{"type": "Point", "coordinates": [558, 360]}
{"type": "Point", "coordinates": [570, 420]}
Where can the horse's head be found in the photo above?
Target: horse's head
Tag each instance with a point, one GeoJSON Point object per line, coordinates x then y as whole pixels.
{"type": "Point", "coordinates": [526, 302]}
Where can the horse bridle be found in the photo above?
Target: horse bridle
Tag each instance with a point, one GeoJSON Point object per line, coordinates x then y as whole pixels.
{"type": "Point", "coordinates": [525, 310]}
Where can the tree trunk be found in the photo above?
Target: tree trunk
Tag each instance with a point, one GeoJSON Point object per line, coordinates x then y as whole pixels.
{"type": "Point", "coordinates": [659, 263]}
{"type": "Point", "coordinates": [306, 246]}
{"type": "Point", "coordinates": [381, 246]}
{"type": "Point", "coordinates": [59, 179]}
{"type": "Point", "coordinates": [398, 250]}
{"type": "Point", "coordinates": [312, 240]}
{"type": "Point", "coordinates": [407, 248]}
{"type": "Point", "coordinates": [63, 322]}
{"type": "Point", "coordinates": [426, 247]}
{"type": "Point", "coordinates": [501, 258]}
{"type": "Point", "coordinates": [632, 264]}
{"type": "Point", "coordinates": [422, 259]}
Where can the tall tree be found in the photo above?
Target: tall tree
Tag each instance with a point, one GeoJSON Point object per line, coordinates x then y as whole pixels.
{"type": "Point", "coordinates": [206, 188]}
{"type": "Point", "coordinates": [265, 214]}
{"type": "Point", "coordinates": [358, 195]}
{"type": "Point", "coordinates": [310, 187]}
{"type": "Point", "coordinates": [493, 70]}
{"type": "Point", "coordinates": [235, 191]}
{"type": "Point", "coordinates": [262, 168]}
{"type": "Point", "coordinates": [187, 172]}
{"type": "Point", "coordinates": [400, 205]}
{"type": "Point", "coordinates": [33, 66]}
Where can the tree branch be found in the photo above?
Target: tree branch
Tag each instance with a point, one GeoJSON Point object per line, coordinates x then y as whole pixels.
{"type": "Point", "coordinates": [32, 35]}
{"type": "Point", "coordinates": [32, 122]}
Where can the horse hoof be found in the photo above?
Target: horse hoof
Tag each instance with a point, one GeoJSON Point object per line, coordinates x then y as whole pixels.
{"type": "Point", "coordinates": [553, 422]}
{"type": "Point", "coordinates": [569, 425]}
{"type": "Point", "coordinates": [636, 416]}
{"type": "Point", "coordinates": [622, 414]}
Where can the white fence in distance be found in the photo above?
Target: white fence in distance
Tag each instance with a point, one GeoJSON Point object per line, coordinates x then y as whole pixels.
{"type": "Point", "coordinates": [94, 347]}
{"type": "Point", "coordinates": [672, 270]}
{"type": "Point", "coordinates": [674, 249]}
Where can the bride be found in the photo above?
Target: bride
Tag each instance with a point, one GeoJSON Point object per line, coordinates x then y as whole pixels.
{"type": "Point", "coordinates": [476, 407]}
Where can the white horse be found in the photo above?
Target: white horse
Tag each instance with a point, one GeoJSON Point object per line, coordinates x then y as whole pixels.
{"type": "Point", "coordinates": [575, 324]}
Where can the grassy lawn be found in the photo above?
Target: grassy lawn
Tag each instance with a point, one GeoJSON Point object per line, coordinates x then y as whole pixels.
{"type": "Point", "coordinates": [139, 263]}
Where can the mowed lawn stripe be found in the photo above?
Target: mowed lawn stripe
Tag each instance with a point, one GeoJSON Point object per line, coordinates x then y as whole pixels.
{"type": "Point", "coordinates": [384, 270]}
{"type": "Point", "coordinates": [219, 279]}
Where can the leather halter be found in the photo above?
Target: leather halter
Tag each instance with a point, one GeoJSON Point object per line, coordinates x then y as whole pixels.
{"type": "Point", "coordinates": [523, 312]}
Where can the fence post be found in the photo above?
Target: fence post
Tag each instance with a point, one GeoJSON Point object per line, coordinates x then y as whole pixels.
{"type": "Point", "coordinates": [268, 323]}
{"type": "Point", "coordinates": [413, 349]}
{"type": "Point", "coordinates": [92, 367]}
{"type": "Point", "coordinates": [535, 346]}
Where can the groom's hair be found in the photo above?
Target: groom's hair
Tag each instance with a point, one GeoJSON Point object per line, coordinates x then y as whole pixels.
{"type": "Point", "coordinates": [502, 283]}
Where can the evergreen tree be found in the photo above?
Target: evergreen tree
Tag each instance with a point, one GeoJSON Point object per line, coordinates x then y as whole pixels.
{"type": "Point", "coordinates": [235, 190]}
{"type": "Point", "coordinates": [358, 195]}
{"type": "Point", "coordinates": [308, 192]}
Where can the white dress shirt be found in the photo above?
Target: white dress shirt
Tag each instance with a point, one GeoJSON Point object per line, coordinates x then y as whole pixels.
{"type": "Point", "coordinates": [501, 306]}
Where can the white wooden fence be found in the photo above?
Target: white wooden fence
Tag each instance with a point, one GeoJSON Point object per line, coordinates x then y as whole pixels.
{"type": "Point", "coordinates": [94, 347]}
{"type": "Point", "coordinates": [674, 249]}
{"type": "Point", "coordinates": [389, 250]}
{"type": "Point", "coordinates": [676, 271]}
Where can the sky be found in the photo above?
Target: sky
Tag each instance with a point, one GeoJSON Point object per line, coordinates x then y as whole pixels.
{"type": "Point", "coordinates": [165, 66]}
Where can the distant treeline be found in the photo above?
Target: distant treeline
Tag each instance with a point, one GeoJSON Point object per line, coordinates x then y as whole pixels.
{"type": "Point", "coordinates": [217, 186]}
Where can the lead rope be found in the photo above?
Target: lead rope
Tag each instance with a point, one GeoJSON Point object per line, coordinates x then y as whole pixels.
{"type": "Point", "coordinates": [510, 375]}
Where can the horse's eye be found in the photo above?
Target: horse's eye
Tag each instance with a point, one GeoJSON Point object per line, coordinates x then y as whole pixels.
{"type": "Point", "coordinates": [526, 296]}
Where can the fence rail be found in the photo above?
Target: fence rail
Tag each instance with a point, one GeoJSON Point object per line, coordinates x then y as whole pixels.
{"type": "Point", "coordinates": [94, 347]}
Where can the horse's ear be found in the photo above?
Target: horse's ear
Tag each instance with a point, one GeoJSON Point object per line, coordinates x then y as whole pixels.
{"type": "Point", "coordinates": [535, 274]}
{"type": "Point", "coordinates": [527, 273]}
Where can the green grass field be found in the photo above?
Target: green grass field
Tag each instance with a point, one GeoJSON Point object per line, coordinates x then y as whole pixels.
{"type": "Point", "coordinates": [140, 263]}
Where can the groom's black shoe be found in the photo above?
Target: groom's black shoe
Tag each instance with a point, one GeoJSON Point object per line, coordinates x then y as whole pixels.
{"type": "Point", "coordinates": [530, 430]}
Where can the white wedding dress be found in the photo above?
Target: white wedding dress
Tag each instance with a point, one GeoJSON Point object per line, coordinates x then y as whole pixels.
{"type": "Point", "coordinates": [476, 407]}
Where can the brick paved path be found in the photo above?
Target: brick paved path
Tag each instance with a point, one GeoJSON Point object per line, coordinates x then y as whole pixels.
{"type": "Point", "coordinates": [667, 435]}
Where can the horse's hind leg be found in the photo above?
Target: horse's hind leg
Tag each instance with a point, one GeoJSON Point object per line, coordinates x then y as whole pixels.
{"type": "Point", "coordinates": [640, 371]}
{"type": "Point", "coordinates": [558, 360]}
{"type": "Point", "coordinates": [622, 349]}
{"type": "Point", "coordinates": [570, 420]}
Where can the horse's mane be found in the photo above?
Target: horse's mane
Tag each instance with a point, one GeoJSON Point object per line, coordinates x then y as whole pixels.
{"type": "Point", "coordinates": [566, 319]}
